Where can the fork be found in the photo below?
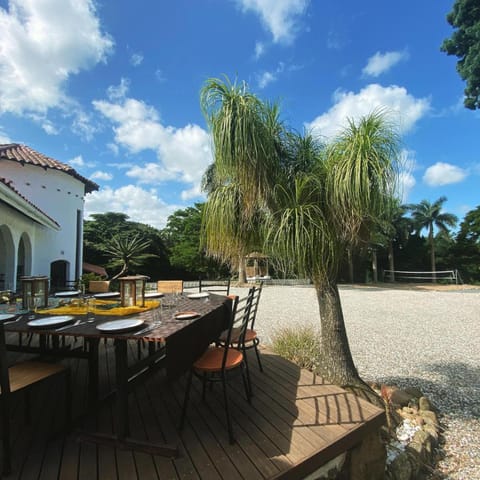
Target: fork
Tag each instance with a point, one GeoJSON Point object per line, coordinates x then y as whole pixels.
{"type": "Point", "coordinates": [78, 322]}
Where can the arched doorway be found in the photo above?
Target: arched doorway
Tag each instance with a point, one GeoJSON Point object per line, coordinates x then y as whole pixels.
{"type": "Point", "coordinates": [24, 257]}
{"type": "Point", "coordinates": [7, 259]}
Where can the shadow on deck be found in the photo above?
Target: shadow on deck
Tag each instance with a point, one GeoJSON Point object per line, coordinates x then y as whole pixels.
{"type": "Point", "coordinates": [295, 424]}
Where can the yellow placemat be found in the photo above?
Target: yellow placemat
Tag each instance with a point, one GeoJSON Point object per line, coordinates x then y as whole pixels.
{"type": "Point", "coordinates": [76, 308]}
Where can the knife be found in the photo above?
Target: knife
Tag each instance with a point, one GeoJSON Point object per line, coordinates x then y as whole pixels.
{"type": "Point", "coordinates": [146, 329]}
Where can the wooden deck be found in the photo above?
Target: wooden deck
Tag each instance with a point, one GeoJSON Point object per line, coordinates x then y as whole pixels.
{"type": "Point", "coordinates": [295, 424]}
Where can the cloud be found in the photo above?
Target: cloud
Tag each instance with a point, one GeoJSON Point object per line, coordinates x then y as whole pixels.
{"type": "Point", "coordinates": [259, 50]}
{"type": "Point", "coordinates": [98, 175]}
{"type": "Point", "coordinates": [266, 78]}
{"type": "Point", "coordinates": [144, 206]}
{"type": "Point", "coordinates": [382, 62]}
{"type": "Point", "coordinates": [280, 17]}
{"type": "Point", "coordinates": [404, 109]}
{"type": "Point", "coordinates": [183, 153]}
{"type": "Point", "coordinates": [443, 174]}
{"type": "Point", "coordinates": [4, 138]}
{"type": "Point", "coordinates": [43, 44]}
{"type": "Point", "coordinates": [136, 59]}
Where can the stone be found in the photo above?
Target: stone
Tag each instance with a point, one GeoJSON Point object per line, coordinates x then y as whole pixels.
{"type": "Point", "coordinates": [414, 392]}
{"type": "Point", "coordinates": [430, 417]}
{"type": "Point", "coordinates": [400, 397]}
{"type": "Point", "coordinates": [401, 468]}
{"type": "Point", "coordinates": [433, 432]}
{"type": "Point", "coordinates": [424, 403]}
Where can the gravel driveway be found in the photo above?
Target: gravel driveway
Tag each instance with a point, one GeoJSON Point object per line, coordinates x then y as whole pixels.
{"type": "Point", "coordinates": [407, 337]}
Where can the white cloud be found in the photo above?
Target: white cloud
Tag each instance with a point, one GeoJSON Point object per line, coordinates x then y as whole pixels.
{"type": "Point", "coordinates": [406, 180]}
{"type": "Point", "coordinates": [77, 162]}
{"type": "Point", "coordinates": [405, 110]}
{"type": "Point", "coordinates": [382, 62]}
{"type": "Point", "coordinates": [265, 79]}
{"type": "Point", "coordinates": [279, 16]}
{"type": "Point", "coordinates": [259, 50]}
{"type": "Point", "coordinates": [183, 153]}
{"type": "Point", "coordinates": [443, 174]}
{"type": "Point", "coordinates": [43, 43]}
{"type": "Point", "coordinates": [99, 175]}
{"type": "Point", "coordinates": [4, 138]}
{"type": "Point", "coordinates": [136, 59]}
{"type": "Point", "coordinates": [144, 206]}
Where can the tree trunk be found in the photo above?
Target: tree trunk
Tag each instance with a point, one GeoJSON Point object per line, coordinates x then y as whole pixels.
{"type": "Point", "coordinates": [432, 254]}
{"type": "Point", "coordinates": [336, 364]}
{"type": "Point", "coordinates": [391, 262]}
{"type": "Point", "coordinates": [350, 264]}
{"type": "Point", "coordinates": [374, 266]}
{"type": "Point", "coordinates": [242, 273]}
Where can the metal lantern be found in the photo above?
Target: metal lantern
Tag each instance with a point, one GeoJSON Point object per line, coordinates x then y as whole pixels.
{"type": "Point", "coordinates": [132, 290]}
{"type": "Point", "coordinates": [34, 292]}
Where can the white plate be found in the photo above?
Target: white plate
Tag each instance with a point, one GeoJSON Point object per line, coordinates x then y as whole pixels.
{"type": "Point", "coordinates": [120, 325]}
{"type": "Point", "coordinates": [68, 293]}
{"type": "Point", "coordinates": [198, 295]}
{"type": "Point", "coordinates": [107, 295]}
{"type": "Point", "coordinates": [6, 316]}
{"type": "Point", "coordinates": [153, 295]}
{"type": "Point", "coordinates": [46, 322]}
{"type": "Point", "coordinates": [186, 315]}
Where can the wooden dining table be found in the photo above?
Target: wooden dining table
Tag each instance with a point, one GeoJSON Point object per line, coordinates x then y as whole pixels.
{"type": "Point", "coordinates": [182, 341]}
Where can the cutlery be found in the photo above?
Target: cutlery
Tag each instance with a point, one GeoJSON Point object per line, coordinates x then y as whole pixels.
{"type": "Point", "coordinates": [13, 321]}
{"type": "Point", "coordinates": [146, 329]}
{"type": "Point", "coordinates": [76, 324]}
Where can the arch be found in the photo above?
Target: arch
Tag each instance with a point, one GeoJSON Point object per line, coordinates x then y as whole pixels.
{"type": "Point", "coordinates": [24, 257]}
{"type": "Point", "coordinates": [7, 259]}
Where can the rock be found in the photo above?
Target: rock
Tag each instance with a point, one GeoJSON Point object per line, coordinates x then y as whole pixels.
{"type": "Point", "coordinates": [401, 468]}
{"type": "Point", "coordinates": [414, 392]}
{"type": "Point", "coordinates": [430, 418]}
{"type": "Point", "coordinates": [424, 404]}
{"type": "Point", "coordinates": [400, 397]}
{"type": "Point", "coordinates": [433, 432]}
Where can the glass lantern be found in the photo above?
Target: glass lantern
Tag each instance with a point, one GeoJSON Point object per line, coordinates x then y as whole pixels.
{"type": "Point", "coordinates": [132, 290]}
{"type": "Point", "coordinates": [34, 292]}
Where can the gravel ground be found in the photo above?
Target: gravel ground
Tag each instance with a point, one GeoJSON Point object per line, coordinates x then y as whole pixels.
{"type": "Point", "coordinates": [405, 337]}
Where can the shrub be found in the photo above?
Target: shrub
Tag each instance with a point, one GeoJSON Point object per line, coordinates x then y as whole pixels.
{"type": "Point", "coordinates": [300, 345]}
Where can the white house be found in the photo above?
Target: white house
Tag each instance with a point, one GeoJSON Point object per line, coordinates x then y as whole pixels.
{"type": "Point", "coordinates": [41, 217]}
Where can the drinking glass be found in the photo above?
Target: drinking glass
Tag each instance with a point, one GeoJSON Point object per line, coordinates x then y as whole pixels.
{"type": "Point", "coordinates": [91, 302]}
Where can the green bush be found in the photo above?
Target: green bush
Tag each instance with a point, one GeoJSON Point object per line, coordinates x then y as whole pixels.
{"type": "Point", "coordinates": [300, 345]}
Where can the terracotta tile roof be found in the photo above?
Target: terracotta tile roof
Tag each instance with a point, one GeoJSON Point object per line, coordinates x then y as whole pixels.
{"type": "Point", "coordinates": [9, 184]}
{"type": "Point", "coordinates": [26, 155]}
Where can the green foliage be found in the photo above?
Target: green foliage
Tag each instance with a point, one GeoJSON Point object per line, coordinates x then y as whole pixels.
{"type": "Point", "coordinates": [299, 345]}
{"type": "Point", "coordinates": [465, 44]}
{"type": "Point", "coordinates": [182, 239]}
{"type": "Point", "coordinates": [99, 232]}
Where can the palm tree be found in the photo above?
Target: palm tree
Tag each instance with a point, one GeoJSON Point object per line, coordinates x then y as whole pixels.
{"type": "Point", "coordinates": [126, 252]}
{"type": "Point", "coordinates": [246, 135]}
{"type": "Point", "coordinates": [429, 216]}
{"type": "Point", "coordinates": [329, 210]}
{"type": "Point", "coordinates": [307, 214]}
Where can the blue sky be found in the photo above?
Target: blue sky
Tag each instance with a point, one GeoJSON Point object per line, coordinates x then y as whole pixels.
{"type": "Point", "coordinates": [112, 88]}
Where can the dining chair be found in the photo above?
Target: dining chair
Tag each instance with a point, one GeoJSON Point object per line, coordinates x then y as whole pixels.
{"type": "Point", "coordinates": [21, 377]}
{"type": "Point", "coordinates": [170, 286]}
{"type": "Point", "coordinates": [217, 364]}
{"type": "Point", "coordinates": [250, 339]}
{"type": "Point", "coordinates": [214, 286]}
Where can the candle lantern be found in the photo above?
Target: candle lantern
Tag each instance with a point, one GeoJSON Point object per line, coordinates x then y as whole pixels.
{"type": "Point", "coordinates": [132, 290]}
{"type": "Point", "coordinates": [34, 292]}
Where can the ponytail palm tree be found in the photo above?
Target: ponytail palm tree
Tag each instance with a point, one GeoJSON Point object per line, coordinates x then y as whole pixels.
{"type": "Point", "coordinates": [329, 209]}
{"type": "Point", "coordinates": [246, 137]}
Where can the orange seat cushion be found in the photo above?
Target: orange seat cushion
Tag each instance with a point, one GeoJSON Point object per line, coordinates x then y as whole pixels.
{"type": "Point", "coordinates": [211, 360]}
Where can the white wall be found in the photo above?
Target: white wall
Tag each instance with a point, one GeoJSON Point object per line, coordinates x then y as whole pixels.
{"type": "Point", "coordinates": [58, 195]}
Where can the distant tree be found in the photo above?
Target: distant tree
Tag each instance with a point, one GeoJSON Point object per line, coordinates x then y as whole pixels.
{"type": "Point", "coordinates": [465, 44]}
{"type": "Point", "coordinates": [182, 239]}
{"type": "Point", "coordinates": [99, 231]}
{"type": "Point", "coordinates": [466, 250]}
{"type": "Point", "coordinates": [429, 216]}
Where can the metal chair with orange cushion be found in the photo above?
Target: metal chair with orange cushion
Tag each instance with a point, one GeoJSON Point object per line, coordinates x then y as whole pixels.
{"type": "Point", "coordinates": [218, 363]}
{"type": "Point", "coordinates": [250, 340]}
{"type": "Point", "coordinates": [20, 377]}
